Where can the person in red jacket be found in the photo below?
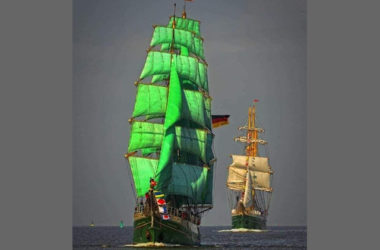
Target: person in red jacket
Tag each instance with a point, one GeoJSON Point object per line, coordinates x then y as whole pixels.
{"type": "Point", "coordinates": [153, 183]}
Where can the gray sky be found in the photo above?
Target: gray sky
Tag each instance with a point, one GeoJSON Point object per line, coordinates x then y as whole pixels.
{"type": "Point", "coordinates": [254, 49]}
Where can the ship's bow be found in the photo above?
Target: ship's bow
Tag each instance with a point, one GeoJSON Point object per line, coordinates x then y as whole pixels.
{"type": "Point", "coordinates": [248, 222]}
{"type": "Point", "coordinates": [154, 229]}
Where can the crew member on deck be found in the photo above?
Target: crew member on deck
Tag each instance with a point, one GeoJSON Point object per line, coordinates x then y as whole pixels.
{"type": "Point", "coordinates": [240, 206]}
{"type": "Point", "coordinates": [153, 183]}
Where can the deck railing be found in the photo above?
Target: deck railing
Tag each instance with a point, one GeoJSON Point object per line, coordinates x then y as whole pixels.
{"type": "Point", "coordinates": [173, 212]}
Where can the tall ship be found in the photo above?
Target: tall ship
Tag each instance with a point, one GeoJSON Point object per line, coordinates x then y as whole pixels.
{"type": "Point", "coordinates": [170, 147]}
{"type": "Point", "coordinates": [249, 178]}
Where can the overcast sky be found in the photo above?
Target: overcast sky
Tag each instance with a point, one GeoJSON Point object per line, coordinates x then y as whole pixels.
{"type": "Point", "coordinates": [255, 49]}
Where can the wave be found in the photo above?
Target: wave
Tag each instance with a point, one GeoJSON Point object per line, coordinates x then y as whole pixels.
{"type": "Point", "coordinates": [243, 230]}
{"type": "Point", "coordinates": [152, 244]}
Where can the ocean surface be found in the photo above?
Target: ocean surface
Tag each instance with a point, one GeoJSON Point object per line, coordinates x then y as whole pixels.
{"type": "Point", "coordinates": [92, 238]}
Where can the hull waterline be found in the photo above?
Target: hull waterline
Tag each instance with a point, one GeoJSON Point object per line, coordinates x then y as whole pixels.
{"type": "Point", "coordinates": [173, 231]}
{"type": "Point", "coordinates": [248, 222]}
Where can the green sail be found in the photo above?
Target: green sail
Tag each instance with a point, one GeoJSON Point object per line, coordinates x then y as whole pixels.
{"type": "Point", "coordinates": [197, 108]}
{"type": "Point", "coordinates": [142, 170]}
{"type": "Point", "coordinates": [190, 181]}
{"type": "Point", "coordinates": [150, 136]}
{"type": "Point", "coordinates": [151, 101]}
{"type": "Point", "coordinates": [186, 180]}
{"type": "Point", "coordinates": [208, 112]}
{"type": "Point", "coordinates": [145, 135]}
{"type": "Point", "coordinates": [173, 115]}
{"type": "Point", "coordinates": [158, 63]}
{"type": "Point", "coordinates": [147, 151]}
{"type": "Point", "coordinates": [184, 51]}
{"type": "Point", "coordinates": [195, 141]}
{"type": "Point", "coordinates": [160, 78]}
{"type": "Point", "coordinates": [182, 38]}
{"type": "Point", "coordinates": [186, 24]}
{"type": "Point", "coordinates": [207, 192]}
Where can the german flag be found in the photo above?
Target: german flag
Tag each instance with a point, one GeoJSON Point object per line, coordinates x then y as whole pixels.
{"type": "Point", "coordinates": [219, 120]}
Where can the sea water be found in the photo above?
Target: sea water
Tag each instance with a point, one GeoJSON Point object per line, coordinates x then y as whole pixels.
{"type": "Point", "coordinates": [92, 238]}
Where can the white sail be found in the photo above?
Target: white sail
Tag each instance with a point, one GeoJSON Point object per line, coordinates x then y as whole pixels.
{"type": "Point", "coordinates": [258, 163]}
{"type": "Point", "coordinates": [260, 180]}
{"type": "Point", "coordinates": [237, 178]}
{"type": "Point", "coordinates": [248, 201]}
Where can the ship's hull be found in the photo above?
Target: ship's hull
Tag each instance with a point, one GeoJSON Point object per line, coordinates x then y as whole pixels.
{"type": "Point", "coordinates": [172, 231]}
{"type": "Point", "coordinates": [248, 221]}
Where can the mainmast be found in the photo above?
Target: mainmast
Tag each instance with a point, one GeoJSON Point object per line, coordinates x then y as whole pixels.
{"type": "Point", "coordinates": [173, 38]}
{"type": "Point", "coordinates": [251, 139]}
{"type": "Point", "coordinates": [251, 149]}
{"type": "Point", "coordinates": [184, 9]}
